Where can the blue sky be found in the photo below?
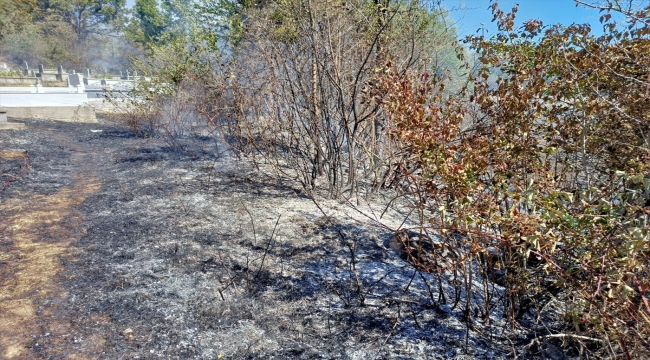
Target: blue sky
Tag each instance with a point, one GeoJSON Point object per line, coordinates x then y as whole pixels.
{"type": "Point", "coordinates": [469, 14]}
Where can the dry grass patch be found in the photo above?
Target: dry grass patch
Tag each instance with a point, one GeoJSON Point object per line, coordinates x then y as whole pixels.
{"type": "Point", "coordinates": [39, 227]}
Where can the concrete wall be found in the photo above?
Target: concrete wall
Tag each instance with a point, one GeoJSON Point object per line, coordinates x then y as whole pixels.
{"type": "Point", "coordinates": [82, 114]}
{"type": "Point", "coordinates": [120, 82]}
{"type": "Point", "coordinates": [117, 85]}
{"type": "Point", "coordinates": [17, 89]}
{"type": "Point", "coordinates": [39, 89]}
{"type": "Point", "coordinates": [52, 76]}
{"type": "Point", "coordinates": [59, 90]}
{"type": "Point", "coordinates": [41, 100]}
{"type": "Point", "coordinates": [49, 77]}
{"type": "Point", "coordinates": [18, 81]}
{"type": "Point", "coordinates": [88, 81]}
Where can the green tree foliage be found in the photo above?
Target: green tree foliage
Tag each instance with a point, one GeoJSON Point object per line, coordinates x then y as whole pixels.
{"type": "Point", "coordinates": [179, 65]}
{"type": "Point", "coordinates": [59, 32]}
{"type": "Point", "coordinates": [152, 22]}
{"type": "Point", "coordinates": [233, 14]}
{"type": "Point", "coordinates": [50, 41]}
{"type": "Point", "coordinates": [14, 14]}
{"type": "Point", "coordinates": [86, 17]}
{"type": "Point", "coordinates": [148, 22]}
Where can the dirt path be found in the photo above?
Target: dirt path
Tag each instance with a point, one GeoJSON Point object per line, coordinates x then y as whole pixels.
{"type": "Point", "coordinates": [40, 229]}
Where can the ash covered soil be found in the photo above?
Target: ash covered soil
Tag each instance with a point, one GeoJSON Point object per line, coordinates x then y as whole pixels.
{"type": "Point", "coordinates": [113, 246]}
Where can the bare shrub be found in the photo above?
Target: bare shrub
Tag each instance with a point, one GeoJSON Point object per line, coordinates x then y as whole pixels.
{"type": "Point", "coordinates": [170, 116]}
{"type": "Point", "coordinates": [299, 80]}
{"type": "Point", "coordinates": [139, 116]}
{"type": "Point", "coordinates": [169, 100]}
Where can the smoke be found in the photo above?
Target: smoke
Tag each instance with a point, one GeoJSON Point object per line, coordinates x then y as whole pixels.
{"type": "Point", "coordinates": [115, 56]}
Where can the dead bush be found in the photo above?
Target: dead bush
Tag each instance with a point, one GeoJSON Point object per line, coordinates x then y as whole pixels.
{"type": "Point", "coordinates": [299, 81]}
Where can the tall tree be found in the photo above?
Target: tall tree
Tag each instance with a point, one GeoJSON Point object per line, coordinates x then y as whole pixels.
{"type": "Point", "coordinates": [86, 17]}
{"type": "Point", "coordinates": [152, 22]}
{"type": "Point", "coordinates": [56, 32]}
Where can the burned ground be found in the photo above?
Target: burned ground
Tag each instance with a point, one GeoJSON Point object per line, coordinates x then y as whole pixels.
{"type": "Point", "coordinates": [113, 246]}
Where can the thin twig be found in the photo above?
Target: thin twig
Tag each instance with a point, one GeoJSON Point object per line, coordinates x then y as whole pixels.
{"type": "Point", "coordinates": [268, 245]}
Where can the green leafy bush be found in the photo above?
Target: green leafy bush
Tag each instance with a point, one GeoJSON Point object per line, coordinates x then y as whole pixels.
{"type": "Point", "coordinates": [9, 73]}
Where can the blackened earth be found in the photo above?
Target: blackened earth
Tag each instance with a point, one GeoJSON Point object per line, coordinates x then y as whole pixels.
{"type": "Point", "coordinates": [113, 246]}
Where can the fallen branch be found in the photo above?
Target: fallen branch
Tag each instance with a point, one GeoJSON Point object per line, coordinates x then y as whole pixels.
{"type": "Point", "coordinates": [537, 340]}
{"type": "Point", "coordinates": [268, 245]}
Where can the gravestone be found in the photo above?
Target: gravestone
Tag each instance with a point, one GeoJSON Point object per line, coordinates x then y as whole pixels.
{"type": "Point", "coordinates": [87, 73]}
{"type": "Point", "coordinates": [32, 73]}
{"type": "Point", "coordinates": [75, 80]}
{"type": "Point", "coordinates": [103, 82]}
{"type": "Point", "coordinates": [26, 66]}
{"type": "Point", "coordinates": [59, 73]}
{"type": "Point", "coordinates": [41, 70]}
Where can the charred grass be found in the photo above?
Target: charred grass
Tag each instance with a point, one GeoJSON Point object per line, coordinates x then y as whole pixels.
{"type": "Point", "coordinates": [188, 253]}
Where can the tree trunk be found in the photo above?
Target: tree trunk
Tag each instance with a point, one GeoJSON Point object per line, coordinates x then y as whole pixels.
{"type": "Point", "coordinates": [315, 121]}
